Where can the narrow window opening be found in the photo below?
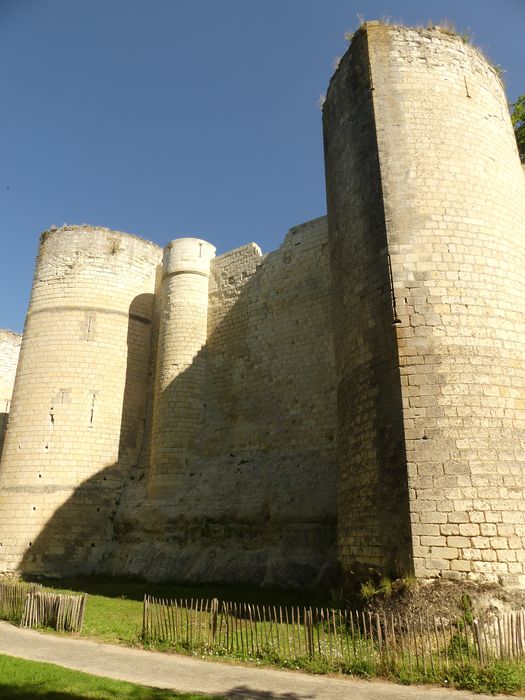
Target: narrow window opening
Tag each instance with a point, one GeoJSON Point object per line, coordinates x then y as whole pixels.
{"type": "Point", "coordinates": [92, 412]}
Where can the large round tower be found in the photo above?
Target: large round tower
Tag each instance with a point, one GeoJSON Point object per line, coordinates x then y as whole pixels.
{"type": "Point", "coordinates": [181, 366]}
{"type": "Point", "coordinates": [426, 210]}
{"type": "Point", "coordinates": [78, 406]}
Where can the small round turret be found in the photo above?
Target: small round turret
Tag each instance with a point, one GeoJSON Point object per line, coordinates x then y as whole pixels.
{"type": "Point", "coordinates": [180, 362]}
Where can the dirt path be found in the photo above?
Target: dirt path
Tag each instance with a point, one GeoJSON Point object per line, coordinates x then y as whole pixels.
{"type": "Point", "coordinates": [195, 675]}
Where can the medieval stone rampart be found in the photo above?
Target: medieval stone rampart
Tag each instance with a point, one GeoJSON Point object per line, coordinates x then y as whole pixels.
{"type": "Point", "coordinates": [256, 501]}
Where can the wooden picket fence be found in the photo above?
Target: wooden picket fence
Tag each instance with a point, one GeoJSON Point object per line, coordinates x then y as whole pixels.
{"type": "Point", "coordinates": [57, 610]}
{"type": "Point", "coordinates": [13, 596]}
{"type": "Point", "coordinates": [30, 606]}
{"type": "Point", "coordinates": [340, 638]}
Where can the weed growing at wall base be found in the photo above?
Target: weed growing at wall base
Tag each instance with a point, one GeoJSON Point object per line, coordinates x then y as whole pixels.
{"type": "Point", "coordinates": [369, 589]}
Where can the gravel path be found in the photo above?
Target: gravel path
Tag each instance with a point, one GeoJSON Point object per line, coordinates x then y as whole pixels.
{"type": "Point", "coordinates": [188, 674]}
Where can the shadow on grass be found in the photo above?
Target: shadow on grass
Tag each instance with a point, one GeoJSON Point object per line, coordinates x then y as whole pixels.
{"type": "Point", "coordinates": [135, 590]}
{"type": "Point", "coordinates": [28, 692]}
{"type": "Point", "coordinates": [244, 692]}
{"type": "Point", "coordinates": [33, 692]}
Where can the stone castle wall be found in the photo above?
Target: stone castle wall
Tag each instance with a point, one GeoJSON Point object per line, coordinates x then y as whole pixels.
{"type": "Point", "coordinates": [271, 414]}
{"type": "Point", "coordinates": [442, 170]}
{"type": "Point", "coordinates": [182, 416]}
{"type": "Point", "coordinates": [256, 500]}
{"type": "Point", "coordinates": [9, 352]}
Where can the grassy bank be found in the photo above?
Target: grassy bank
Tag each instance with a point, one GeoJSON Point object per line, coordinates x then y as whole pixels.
{"type": "Point", "coordinates": [27, 680]}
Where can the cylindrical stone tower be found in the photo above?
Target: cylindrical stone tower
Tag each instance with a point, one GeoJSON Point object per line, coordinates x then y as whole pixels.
{"type": "Point", "coordinates": [426, 209]}
{"type": "Point", "coordinates": [181, 366]}
{"type": "Point", "coordinates": [78, 404]}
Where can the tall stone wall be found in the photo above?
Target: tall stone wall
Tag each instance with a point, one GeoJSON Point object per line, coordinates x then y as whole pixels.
{"type": "Point", "coordinates": [78, 408]}
{"type": "Point", "coordinates": [256, 501]}
{"type": "Point", "coordinates": [453, 219]}
{"type": "Point", "coordinates": [271, 412]}
{"type": "Point", "coordinates": [9, 352]}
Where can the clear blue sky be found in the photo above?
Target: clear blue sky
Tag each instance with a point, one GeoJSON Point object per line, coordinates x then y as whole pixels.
{"type": "Point", "coordinates": [168, 118]}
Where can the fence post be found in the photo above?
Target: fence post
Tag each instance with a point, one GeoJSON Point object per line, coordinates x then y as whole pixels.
{"type": "Point", "coordinates": [144, 617]}
{"type": "Point", "coordinates": [214, 613]}
{"type": "Point", "coordinates": [479, 642]}
{"type": "Point", "coordinates": [379, 637]}
{"type": "Point", "coordinates": [25, 621]}
{"type": "Point", "coordinates": [308, 622]}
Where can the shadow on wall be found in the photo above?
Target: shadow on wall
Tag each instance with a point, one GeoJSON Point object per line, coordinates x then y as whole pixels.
{"type": "Point", "coordinates": [3, 426]}
{"type": "Point", "coordinates": [78, 534]}
{"type": "Point", "coordinates": [256, 499]}
{"type": "Point", "coordinates": [374, 518]}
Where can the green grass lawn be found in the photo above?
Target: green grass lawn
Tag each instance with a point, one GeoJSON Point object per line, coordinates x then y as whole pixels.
{"type": "Point", "coordinates": [113, 620]}
{"type": "Point", "coordinates": [25, 680]}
